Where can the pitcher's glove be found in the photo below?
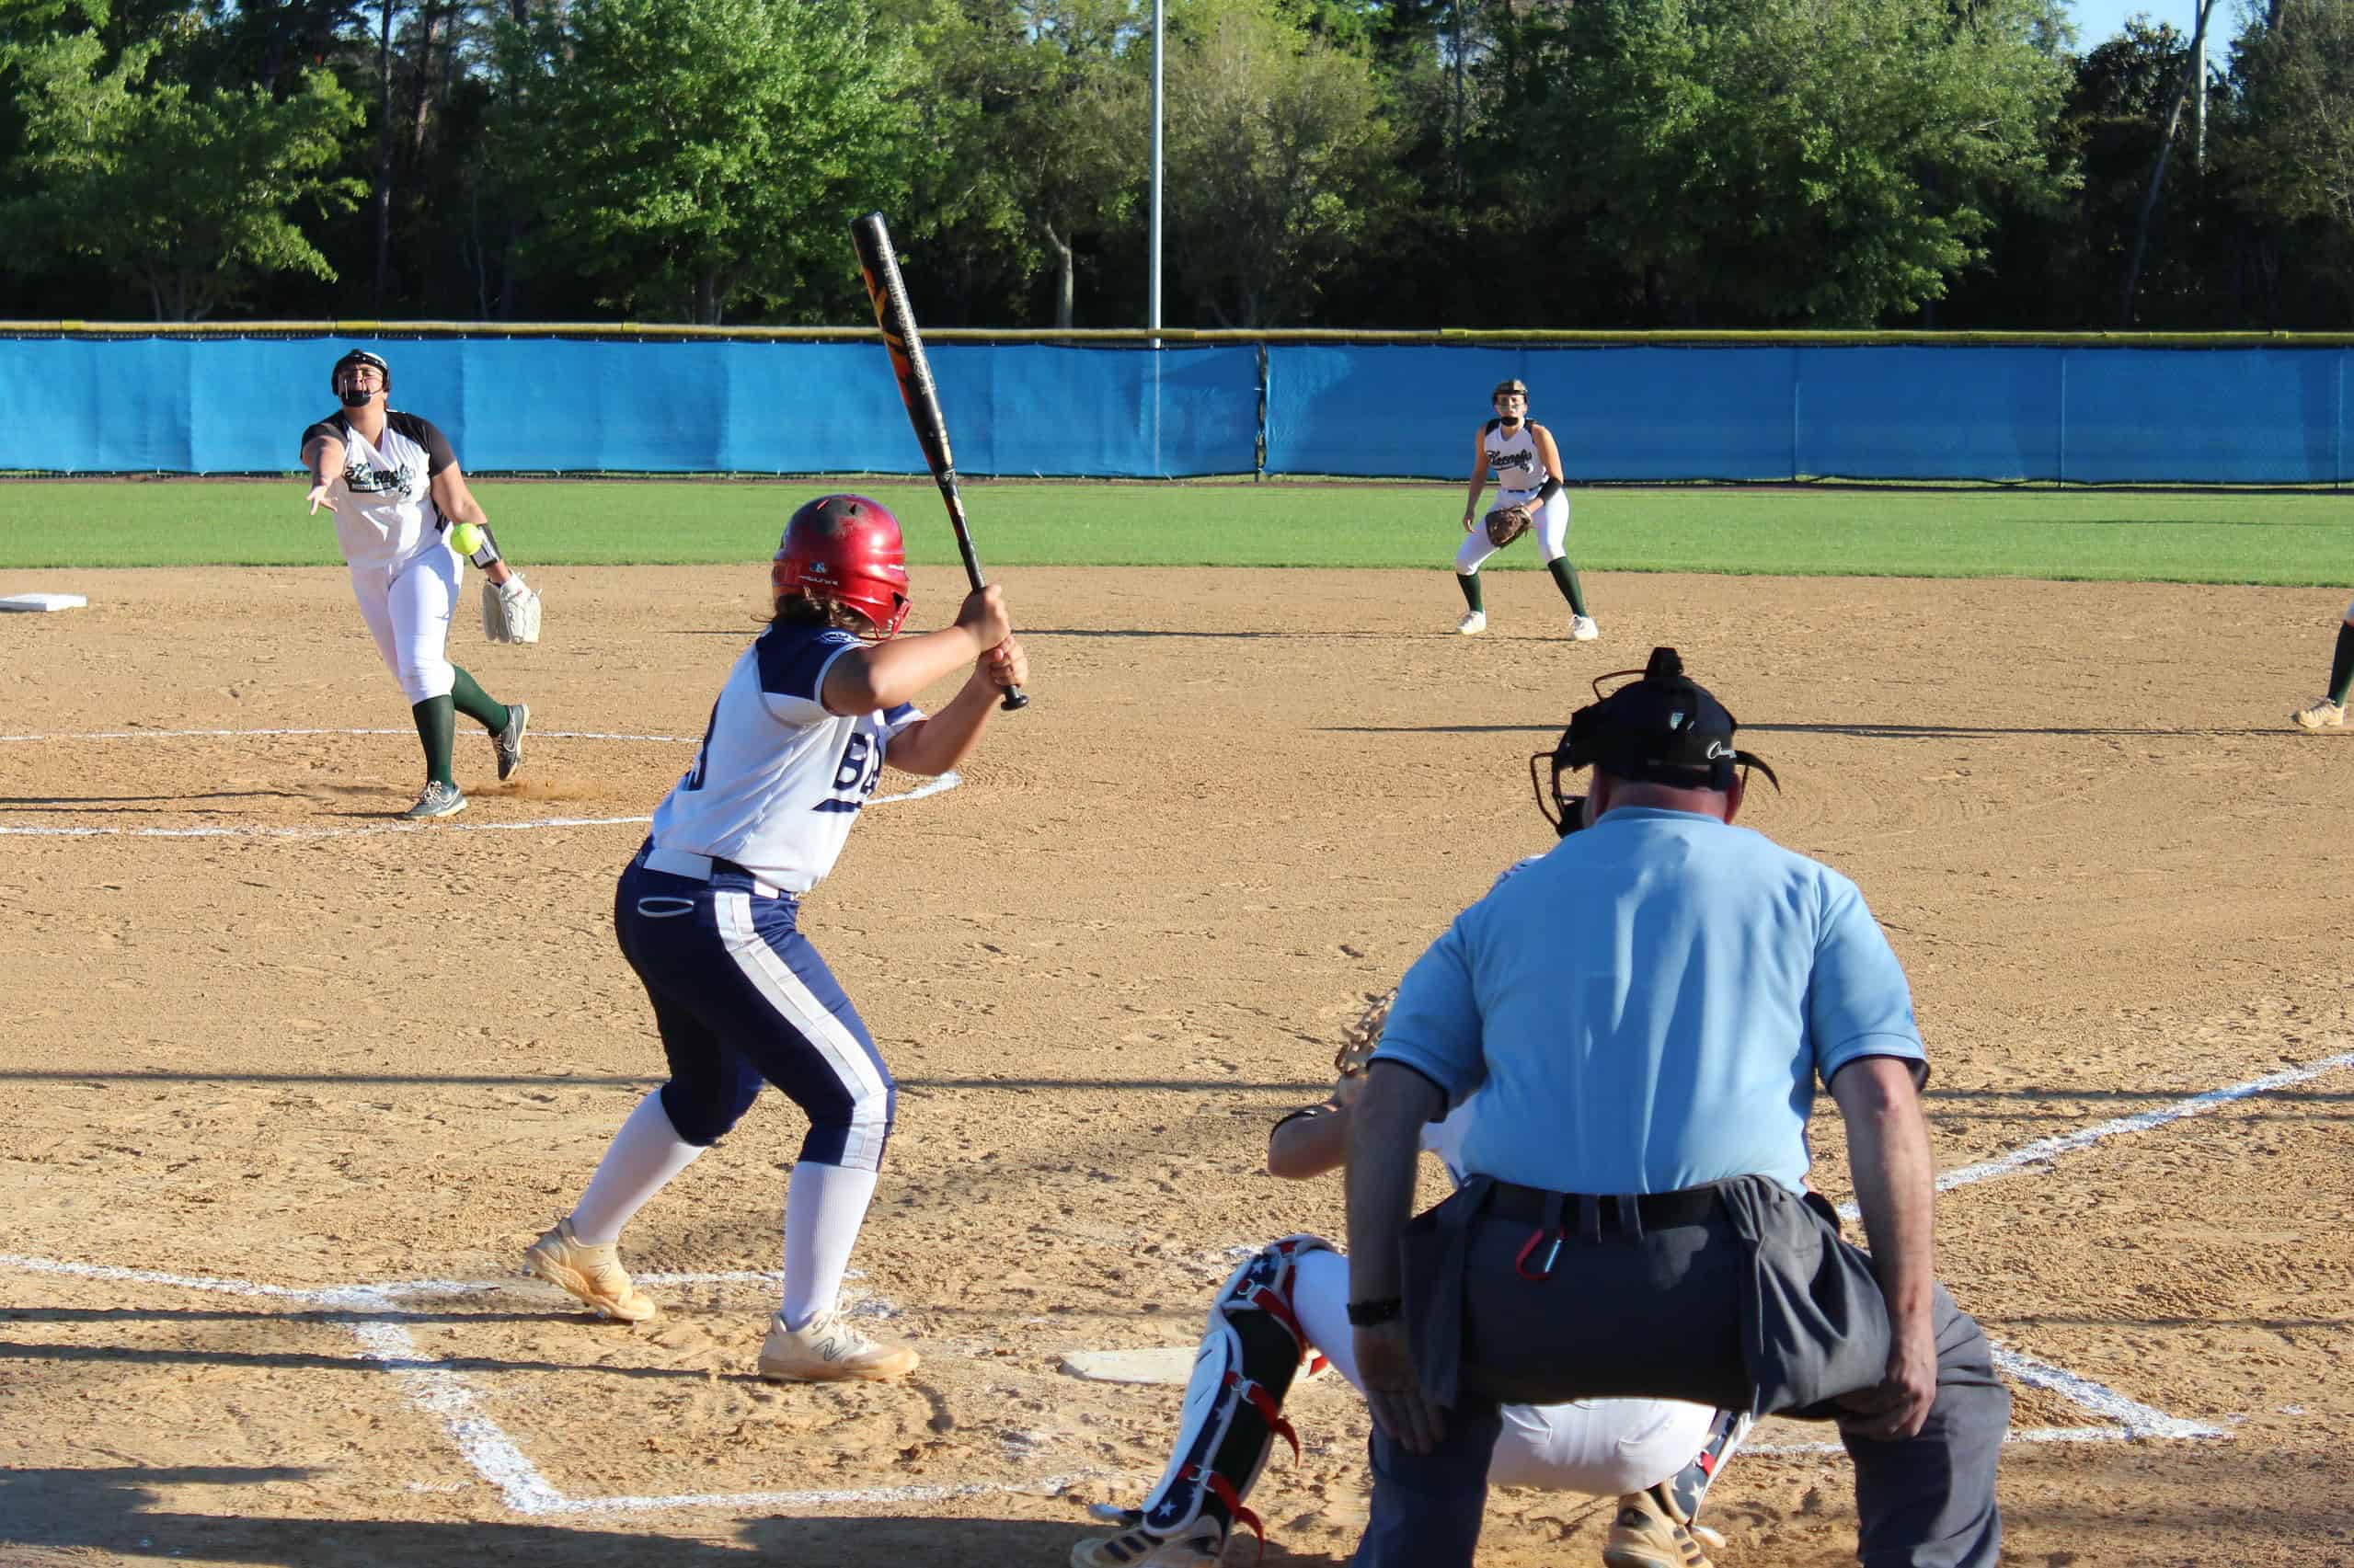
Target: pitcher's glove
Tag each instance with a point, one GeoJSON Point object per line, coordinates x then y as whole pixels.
{"type": "Point", "coordinates": [1357, 1043]}
{"type": "Point", "coordinates": [509, 611]}
{"type": "Point", "coordinates": [1508, 523]}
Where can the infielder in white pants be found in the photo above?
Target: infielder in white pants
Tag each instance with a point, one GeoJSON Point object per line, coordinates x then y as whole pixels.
{"type": "Point", "coordinates": [1529, 472]}
{"type": "Point", "coordinates": [1289, 1303]}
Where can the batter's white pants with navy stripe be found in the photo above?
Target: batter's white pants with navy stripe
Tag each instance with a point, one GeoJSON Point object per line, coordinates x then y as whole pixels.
{"type": "Point", "coordinates": [741, 998]}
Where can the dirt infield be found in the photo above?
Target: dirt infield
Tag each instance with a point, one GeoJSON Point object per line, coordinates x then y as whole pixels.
{"type": "Point", "coordinates": [290, 1086]}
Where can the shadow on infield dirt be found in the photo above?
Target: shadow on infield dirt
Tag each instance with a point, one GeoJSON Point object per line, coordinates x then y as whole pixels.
{"type": "Point", "coordinates": [59, 1515]}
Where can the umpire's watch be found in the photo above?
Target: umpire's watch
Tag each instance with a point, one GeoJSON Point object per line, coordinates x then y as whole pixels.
{"type": "Point", "coordinates": [1365, 1315]}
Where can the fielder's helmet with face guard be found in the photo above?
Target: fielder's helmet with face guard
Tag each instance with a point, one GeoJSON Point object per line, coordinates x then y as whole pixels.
{"type": "Point", "coordinates": [845, 551]}
{"type": "Point", "coordinates": [353, 360]}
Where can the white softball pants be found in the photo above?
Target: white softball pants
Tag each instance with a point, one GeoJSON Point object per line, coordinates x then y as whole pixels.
{"type": "Point", "coordinates": [1602, 1447]}
{"type": "Point", "coordinates": [407, 609]}
{"type": "Point", "coordinates": [1552, 532]}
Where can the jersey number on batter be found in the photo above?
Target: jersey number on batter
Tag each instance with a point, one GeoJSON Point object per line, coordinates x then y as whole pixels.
{"type": "Point", "coordinates": [853, 780]}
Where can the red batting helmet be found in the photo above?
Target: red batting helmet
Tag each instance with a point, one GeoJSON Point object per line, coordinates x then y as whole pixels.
{"type": "Point", "coordinates": [845, 550]}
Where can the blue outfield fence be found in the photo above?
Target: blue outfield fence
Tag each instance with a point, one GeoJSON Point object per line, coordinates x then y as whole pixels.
{"type": "Point", "coordinates": [121, 401]}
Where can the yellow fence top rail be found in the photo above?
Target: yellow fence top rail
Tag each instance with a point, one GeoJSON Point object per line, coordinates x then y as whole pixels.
{"type": "Point", "coordinates": [1180, 337]}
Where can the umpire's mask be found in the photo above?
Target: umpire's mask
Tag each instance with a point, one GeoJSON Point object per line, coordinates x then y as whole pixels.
{"type": "Point", "coordinates": [1663, 727]}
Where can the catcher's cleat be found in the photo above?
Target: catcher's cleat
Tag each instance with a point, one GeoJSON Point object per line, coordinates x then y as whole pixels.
{"type": "Point", "coordinates": [591, 1275]}
{"type": "Point", "coordinates": [1200, 1546]}
{"type": "Point", "coordinates": [509, 742]}
{"type": "Point", "coordinates": [1583, 628]}
{"type": "Point", "coordinates": [2322, 714]}
{"type": "Point", "coordinates": [1473, 623]}
{"type": "Point", "coordinates": [826, 1350]}
{"type": "Point", "coordinates": [1646, 1534]}
{"type": "Point", "coordinates": [439, 800]}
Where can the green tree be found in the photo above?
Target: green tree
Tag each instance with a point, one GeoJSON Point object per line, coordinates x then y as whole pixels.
{"type": "Point", "coordinates": [1041, 140]}
{"type": "Point", "coordinates": [2293, 158]}
{"type": "Point", "coordinates": [187, 192]}
{"type": "Point", "coordinates": [693, 155]}
{"type": "Point", "coordinates": [1819, 162]}
{"type": "Point", "coordinates": [1279, 155]}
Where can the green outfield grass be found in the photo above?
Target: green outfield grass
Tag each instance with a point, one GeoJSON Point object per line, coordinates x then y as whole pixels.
{"type": "Point", "coordinates": [2301, 538]}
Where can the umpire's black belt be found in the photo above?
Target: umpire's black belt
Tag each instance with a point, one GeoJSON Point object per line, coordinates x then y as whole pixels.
{"type": "Point", "coordinates": [1576, 1212]}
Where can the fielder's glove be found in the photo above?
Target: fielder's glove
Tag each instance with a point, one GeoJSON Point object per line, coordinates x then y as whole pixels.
{"type": "Point", "coordinates": [509, 611]}
{"type": "Point", "coordinates": [1357, 1043]}
{"type": "Point", "coordinates": [1508, 523]}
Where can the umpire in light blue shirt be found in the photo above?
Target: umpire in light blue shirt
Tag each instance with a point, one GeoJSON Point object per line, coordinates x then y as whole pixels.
{"type": "Point", "coordinates": [1650, 1005]}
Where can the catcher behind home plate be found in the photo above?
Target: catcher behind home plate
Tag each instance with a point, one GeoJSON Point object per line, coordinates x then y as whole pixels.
{"type": "Point", "coordinates": [1284, 1315]}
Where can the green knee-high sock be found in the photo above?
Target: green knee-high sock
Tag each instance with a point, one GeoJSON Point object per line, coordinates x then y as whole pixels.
{"type": "Point", "coordinates": [1565, 577]}
{"type": "Point", "coordinates": [1469, 583]}
{"type": "Point", "coordinates": [476, 703]}
{"type": "Point", "coordinates": [437, 722]}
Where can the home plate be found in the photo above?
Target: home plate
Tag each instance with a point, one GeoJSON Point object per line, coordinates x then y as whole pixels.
{"type": "Point", "coordinates": [42, 601]}
{"type": "Point", "coordinates": [1172, 1364]}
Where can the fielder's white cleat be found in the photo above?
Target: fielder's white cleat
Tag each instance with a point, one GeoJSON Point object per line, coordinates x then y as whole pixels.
{"type": "Point", "coordinates": [2322, 714]}
{"type": "Point", "coordinates": [1198, 1547]}
{"type": "Point", "coordinates": [1474, 622]}
{"type": "Point", "coordinates": [439, 800]}
{"type": "Point", "coordinates": [1583, 628]}
{"type": "Point", "coordinates": [1646, 1534]}
{"type": "Point", "coordinates": [590, 1275]}
{"type": "Point", "coordinates": [509, 742]}
{"type": "Point", "coordinates": [826, 1350]}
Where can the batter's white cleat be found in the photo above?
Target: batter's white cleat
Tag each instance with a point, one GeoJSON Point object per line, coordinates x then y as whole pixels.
{"type": "Point", "coordinates": [1583, 628]}
{"type": "Point", "coordinates": [1200, 1546]}
{"type": "Point", "coordinates": [826, 1350]}
{"type": "Point", "coordinates": [1474, 622]}
{"type": "Point", "coordinates": [509, 742]}
{"type": "Point", "coordinates": [2322, 714]}
{"type": "Point", "coordinates": [590, 1275]}
{"type": "Point", "coordinates": [1646, 1534]}
{"type": "Point", "coordinates": [439, 800]}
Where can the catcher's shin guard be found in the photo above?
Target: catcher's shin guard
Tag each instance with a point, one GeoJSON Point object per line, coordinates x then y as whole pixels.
{"type": "Point", "coordinates": [1233, 1406]}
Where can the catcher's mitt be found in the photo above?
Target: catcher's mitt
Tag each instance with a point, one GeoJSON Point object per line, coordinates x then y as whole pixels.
{"type": "Point", "coordinates": [1357, 1043]}
{"type": "Point", "coordinates": [1508, 523]}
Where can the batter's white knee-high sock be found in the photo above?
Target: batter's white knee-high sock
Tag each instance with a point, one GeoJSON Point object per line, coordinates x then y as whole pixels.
{"type": "Point", "coordinates": [824, 1206]}
{"type": "Point", "coordinates": [645, 1154]}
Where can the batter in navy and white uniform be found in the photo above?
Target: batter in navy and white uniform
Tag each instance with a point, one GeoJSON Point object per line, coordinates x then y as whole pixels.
{"type": "Point", "coordinates": [708, 914]}
{"type": "Point", "coordinates": [394, 486]}
{"type": "Point", "coordinates": [1528, 473]}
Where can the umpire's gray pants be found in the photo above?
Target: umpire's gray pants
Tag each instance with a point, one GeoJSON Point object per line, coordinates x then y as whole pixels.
{"type": "Point", "coordinates": [1928, 1502]}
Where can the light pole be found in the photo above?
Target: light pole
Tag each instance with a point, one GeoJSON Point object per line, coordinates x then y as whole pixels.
{"type": "Point", "coordinates": [1153, 240]}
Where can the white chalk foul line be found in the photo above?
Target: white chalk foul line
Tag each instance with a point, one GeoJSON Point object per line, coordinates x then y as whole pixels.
{"type": "Point", "coordinates": [928, 787]}
{"type": "Point", "coordinates": [444, 1393]}
{"type": "Point", "coordinates": [233, 734]}
{"type": "Point", "coordinates": [148, 1276]}
{"type": "Point", "coordinates": [2136, 1420]}
{"type": "Point", "coordinates": [2047, 1148]}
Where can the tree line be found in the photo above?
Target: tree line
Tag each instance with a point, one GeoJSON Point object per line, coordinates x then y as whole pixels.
{"type": "Point", "coordinates": [1408, 164]}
